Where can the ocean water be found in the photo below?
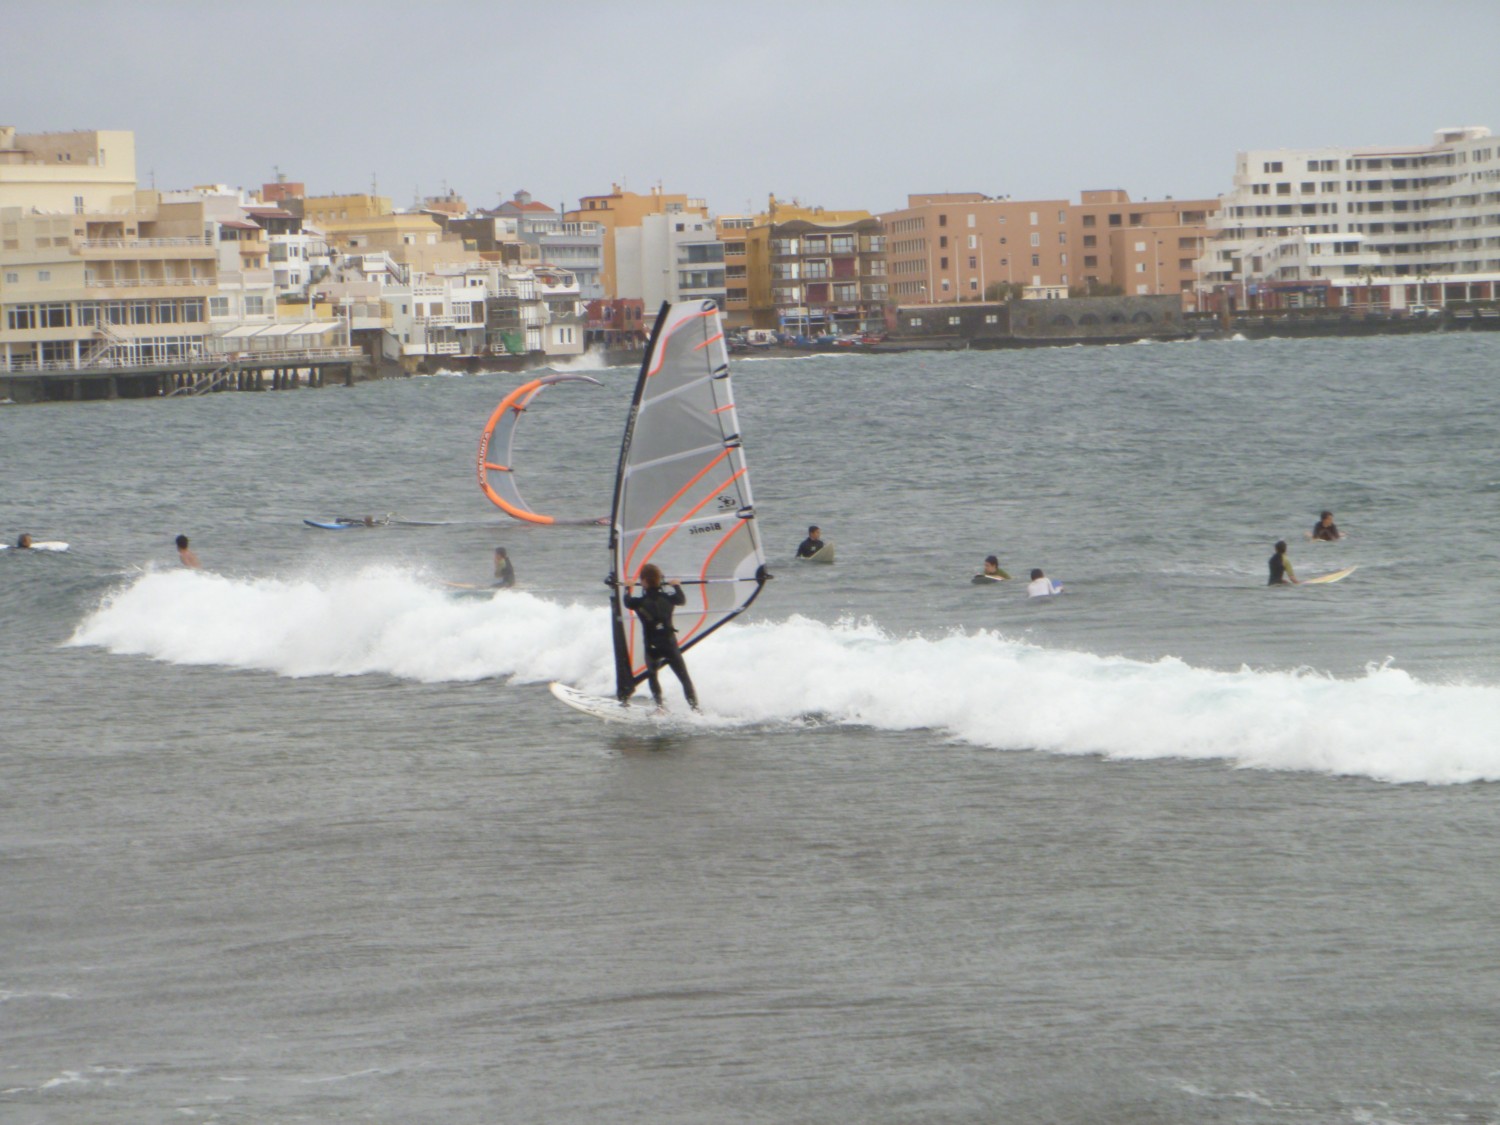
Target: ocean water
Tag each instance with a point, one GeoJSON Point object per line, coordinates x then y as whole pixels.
{"type": "Point", "coordinates": [303, 837]}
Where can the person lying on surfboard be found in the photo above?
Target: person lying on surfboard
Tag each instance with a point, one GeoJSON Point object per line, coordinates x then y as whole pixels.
{"type": "Point", "coordinates": [24, 542]}
{"type": "Point", "coordinates": [812, 544]}
{"type": "Point", "coordinates": [653, 606]}
{"type": "Point", "coordinates": [1281, 567]}
{"type": "Point", "coordinates": [1325, 529]}
{"type": "Point", "coordinates": [991, 572]}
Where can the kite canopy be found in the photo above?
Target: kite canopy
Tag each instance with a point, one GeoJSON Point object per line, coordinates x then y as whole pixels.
{"type": "Point", "coordinates": [497, 478]}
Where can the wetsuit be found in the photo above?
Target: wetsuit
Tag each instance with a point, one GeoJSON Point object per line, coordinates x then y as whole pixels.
{"type": "Point", "coordinates": [1328, 533]}
{"type": "Point", "coordinates": [654, 609]}
{"type": "Point", "coordinates": [809, 547]}
{"type": "Point", "coordinates": [998, 576]}
{"type": "Point", "coordinates": [505, 574]}
{"type": "Point", "coordinates": [1280, 567]}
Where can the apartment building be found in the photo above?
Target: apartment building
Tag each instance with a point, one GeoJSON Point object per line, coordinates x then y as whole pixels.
{"type": "Point", "coordinates": [1384, 228]}
{"type": "Point", "coordinates": [811, 271]}
{"type": "Point", "coordinates": [733, 233]}
{"type": "Point", "coordinates": [623, 210]}
{"type": "Point", "coordinates": [669, 256]}
{"type": "Point", "coordinates": [92, 271]}
{"type": "Point", "coordinates": [967, 246]}
{"type": "Point", "coordinates": [573, 245]}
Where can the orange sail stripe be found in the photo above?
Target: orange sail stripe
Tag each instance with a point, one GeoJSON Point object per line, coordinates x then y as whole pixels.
{"type": "Point", "coordinates": [710, 340]}
{"type": "Point", "coordinates": [703, 575]}
{"type": "Point", "coordinates": [721, 409]}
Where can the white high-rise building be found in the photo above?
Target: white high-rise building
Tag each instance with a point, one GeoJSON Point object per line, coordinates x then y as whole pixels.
{"type": "Point", "coordinates": [1384, 227]}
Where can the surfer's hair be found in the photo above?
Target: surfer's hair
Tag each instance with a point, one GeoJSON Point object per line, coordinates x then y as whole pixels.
{"type": "Point", "coordinates": [1037, 573]}
{"type": "Point", "coordinates": [182, 542]}
{"type": "Point", "coordinates": [812, 529]}
{"type": "Point", "coordinates": [1281, 546]}
{"type": "Point", "coordinates": [651, 576]}
{"type": "Point", "coordinates": [992, 560]}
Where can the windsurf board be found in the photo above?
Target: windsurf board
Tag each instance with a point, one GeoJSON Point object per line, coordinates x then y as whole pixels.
{"type": "Point", "coordinates": [639, 713]}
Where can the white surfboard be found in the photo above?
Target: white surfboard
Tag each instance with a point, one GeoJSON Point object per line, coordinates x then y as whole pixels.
{"type": "Point", "coordinates": [1336, 576]}
{"type": "Point", "coordinates": [824, 554]}
{"type": "Point", "coordinates": [639, 712]}
{"type": "Point", "coordinates": [44, 545]}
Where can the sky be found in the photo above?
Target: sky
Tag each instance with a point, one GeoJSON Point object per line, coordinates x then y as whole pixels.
{"type": "Point", "coordinates": [844, 104]}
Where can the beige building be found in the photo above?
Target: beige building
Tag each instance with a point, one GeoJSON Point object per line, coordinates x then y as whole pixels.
{"type": "Point", "coordinates": [67, 173]}
{"type": "Point", "coordinates": [90, 269]}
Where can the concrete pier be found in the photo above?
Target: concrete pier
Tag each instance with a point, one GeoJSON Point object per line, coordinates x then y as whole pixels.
{"type": "Point", "coordinates": [200, 375]}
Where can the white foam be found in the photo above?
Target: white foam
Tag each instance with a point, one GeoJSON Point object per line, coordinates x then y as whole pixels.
{"type": "Point", "coordinates": [981, 687]}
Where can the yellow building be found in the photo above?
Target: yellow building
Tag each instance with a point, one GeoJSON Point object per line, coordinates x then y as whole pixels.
{"type": "Point", "coordinates": [362, 224]}
{"type": "Point", "coordinates": [622, 208]}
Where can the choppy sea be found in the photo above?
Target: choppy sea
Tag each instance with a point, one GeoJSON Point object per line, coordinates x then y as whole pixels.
{"type": "Point", "coordinates": [303, 837]}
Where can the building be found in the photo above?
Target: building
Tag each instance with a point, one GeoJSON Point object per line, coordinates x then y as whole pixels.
{"type": "Point", "coordinates": [622, 210]}
{"type": "Point", "coordinates": [573, 245]}
{"type": "Point", "coordinates": [67, 173]}
{"type": "Point", "coordinates": [1384, 229]}
{"type": "Point", "coordinates": [966, 246]}
{"type": "Point", "coordinates": [812, 272]}
{"type": "Point", "coordinates": [673, 256]}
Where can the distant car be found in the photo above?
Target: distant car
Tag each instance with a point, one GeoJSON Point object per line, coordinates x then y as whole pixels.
{"type": "Point", "coordinates": [1421, 310]}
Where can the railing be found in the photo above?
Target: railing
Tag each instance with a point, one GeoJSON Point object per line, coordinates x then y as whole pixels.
{"type": "Point", "coordinates": [141, 243]}
{"type": "Point", "coordinates": [201, 359]}
{"type": "Point", "coordinates": [146, 282]}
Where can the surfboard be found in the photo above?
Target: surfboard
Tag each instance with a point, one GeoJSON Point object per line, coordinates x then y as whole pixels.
{"type": "Point", "coordinates": [637, 713]}
{"type": "Point", "coordinates": [343, 523]}
{"type": "Point", "coordinates": [1324, 579]}
{"type": "Point", "coordinates": [824, 555]}
{"type": "Point", "coordinates": [981, 579]}
{"type": "Point", "coordinates": [44, 545]}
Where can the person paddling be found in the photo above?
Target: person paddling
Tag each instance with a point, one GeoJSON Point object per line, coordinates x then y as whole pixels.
{"type": "Point", "coordinates": [185, 553]}
{"type": "Point", "coordinates": [990, 573]}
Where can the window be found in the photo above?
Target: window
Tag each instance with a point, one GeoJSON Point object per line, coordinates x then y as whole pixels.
{"type": "Point", "coordinates": [1036, 239]}
{"type": "Point", "coordinates": [942, 220]}
{"type": "Point", "coordinates": [1036, 259]}
{"type": "Point", "coordinates": [44, 275]}
{"type": "Point", "coordinates": [1062, 238]}
{"type": "Point", "coordinates": [1033, 218]}
{"type": "Point", "coordinates": [254, 305]}
{"type": "Point", "coordinates": [971, 219]}
{"type": "Point", "coordinates": [78, 205]}
{"type": "Point", "coordinates": [1140, 247]}
{"type": "Point", "coordinates": [916, 322]}
{"type": "Point", "coordinates": [1062, 216]}
{"type": "Point", "coordinates": [12, 279]}
{"type": "Point", "coordinates": [1089, 240]}
{"type": "Point", "coordinates": [1088, 220]}
{"type": "Point", "coordinates": [973, 261]}
{"type": "Point", "coordinates": [218, 306]}
{"type": "Point", "coordinates": [953, 320]}
{"type": "Point", "coordinates": [992, 318]}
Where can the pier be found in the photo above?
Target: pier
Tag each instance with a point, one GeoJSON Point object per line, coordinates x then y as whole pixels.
{"type": "Point", "coordinates": [194, 375]}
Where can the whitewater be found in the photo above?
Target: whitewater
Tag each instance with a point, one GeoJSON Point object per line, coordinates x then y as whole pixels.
{"type": "Point", "coordinates": [981, 687]}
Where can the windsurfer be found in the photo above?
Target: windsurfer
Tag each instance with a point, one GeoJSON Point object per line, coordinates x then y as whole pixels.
{"type": "Point", "coordinates": [505, 573]}
{"type": "Point", "coordinates": [653, 606]}
{"type": "Point", "coordinates": [812, 544]}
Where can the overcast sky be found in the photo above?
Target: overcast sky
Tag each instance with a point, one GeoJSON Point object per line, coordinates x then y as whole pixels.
{"type": "Point", "coordinates": [839, 103]}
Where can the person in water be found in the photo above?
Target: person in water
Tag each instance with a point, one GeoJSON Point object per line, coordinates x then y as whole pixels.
{"type": "Point", "coordinates": [1041, 586]}
{"type": "Point", "coordinates": [991, 572]}
{"type": "Point", "coordinates": [23, 543]}
{"type": "Point", "coordinates": [653, 607]}
{"type": "Point", "coordinates": [812, 544]}
{"type": "Point", "coordinates": [1325, 529]}
{"type": "Point", "coordinates": [1281, 567]}
{"type": "Point", "coordinates": [185, 553]}
{"type": "Point", "coordinates": [505, 573]}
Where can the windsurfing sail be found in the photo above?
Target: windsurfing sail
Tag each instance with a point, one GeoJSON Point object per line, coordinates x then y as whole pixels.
{"type": "Point", "coordinates": [497, 478]}
{"type": "Point", "coordinates": [682, 492]}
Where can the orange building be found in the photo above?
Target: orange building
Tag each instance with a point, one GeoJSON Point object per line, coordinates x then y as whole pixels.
{"type": "Point", "coordinates": [964, 246]}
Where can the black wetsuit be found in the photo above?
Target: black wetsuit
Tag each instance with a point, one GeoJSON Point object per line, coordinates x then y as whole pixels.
{"type": "Point", "coordinates": [1326, 533]}
{"type": "Point", "coordinates": [810, 547]}
{"type": "Point", "coordinates": [1278, 570]}
{"type": "Point", "coordinates": [505, 574]}
{"type": "Point", "coordinates": [654, 610]}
